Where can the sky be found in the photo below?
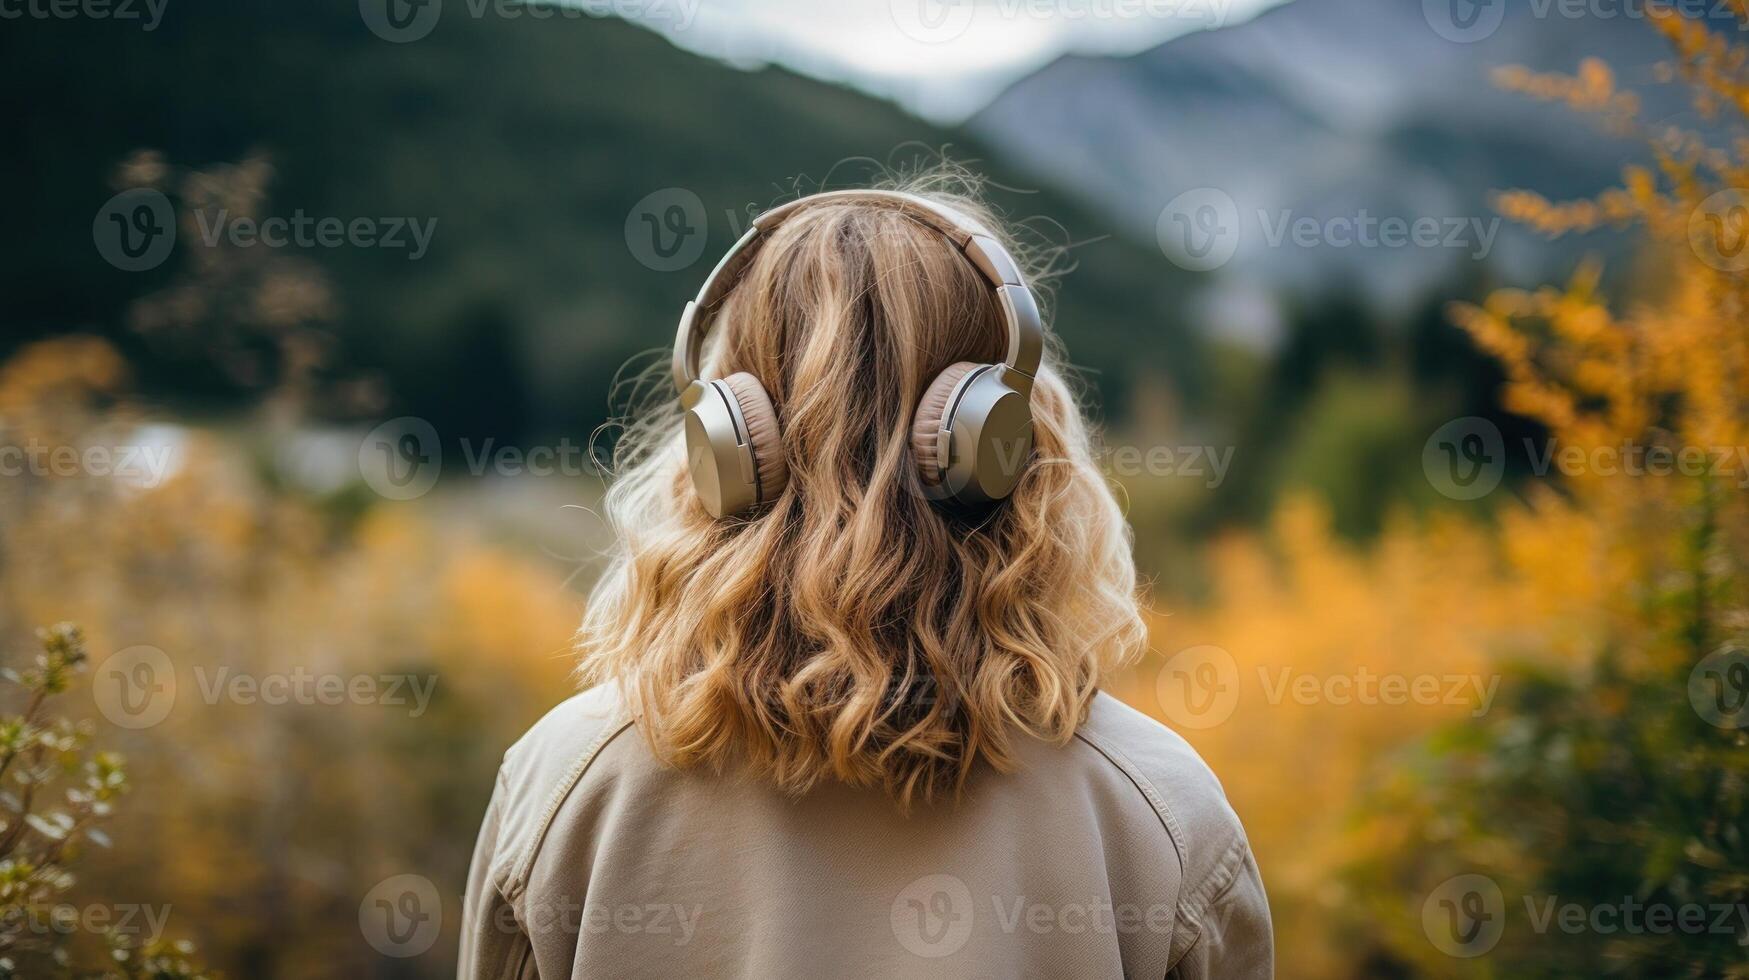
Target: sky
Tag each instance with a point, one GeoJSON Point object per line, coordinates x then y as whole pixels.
{"type": "Point", "coordinates": [941, 59]}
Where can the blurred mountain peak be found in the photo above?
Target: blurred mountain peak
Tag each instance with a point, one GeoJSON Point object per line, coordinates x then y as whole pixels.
{"type": "Point", "coordinates": [1344, 112]}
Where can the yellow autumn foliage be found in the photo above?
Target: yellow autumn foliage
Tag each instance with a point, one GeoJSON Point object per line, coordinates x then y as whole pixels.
{"type": "Point", "coordinates": [264, 825]}
{"type": "Point", "coordinates": [262, 820]}
{"type": "Point", "coordinates": [1571, 564]}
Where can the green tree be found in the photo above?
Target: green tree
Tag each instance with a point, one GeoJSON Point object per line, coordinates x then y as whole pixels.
{"type": "Point", "coordinates": [1596, 821]}
{"type": "Point", "coordinates": [54, 789]}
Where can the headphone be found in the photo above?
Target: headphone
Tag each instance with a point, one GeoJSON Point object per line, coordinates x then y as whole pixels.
{"type": "Point", "coordinates": [971, 434]}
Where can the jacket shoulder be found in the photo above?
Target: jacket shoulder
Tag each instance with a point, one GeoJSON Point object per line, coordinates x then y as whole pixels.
{"type": "Point", "coordinates": [542, 768]}
{"type": "Point", "coordinates": [1183, 792]}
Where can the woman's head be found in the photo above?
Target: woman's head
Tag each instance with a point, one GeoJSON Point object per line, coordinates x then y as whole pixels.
{"type": "Point", "coordinates": [855, 629]}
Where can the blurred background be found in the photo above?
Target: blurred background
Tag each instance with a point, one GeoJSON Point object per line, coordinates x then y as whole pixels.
{"type": "Point", "coordinates": [1416, 330]}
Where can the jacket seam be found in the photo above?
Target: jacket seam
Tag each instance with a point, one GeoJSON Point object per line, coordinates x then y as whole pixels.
{"type": "Point", "coordinates": [1192, 902]}
{"type": "Point", "coordinates": [525, 864]}
{"type": "Point", "coordinates": [1225, 875]}
{"type": "Point", "coordinates": [1220, 881]}
{"type": "Point", "coordinates": [1173, 967]}
{"type": "Point", "coordinates": [1162, 810]}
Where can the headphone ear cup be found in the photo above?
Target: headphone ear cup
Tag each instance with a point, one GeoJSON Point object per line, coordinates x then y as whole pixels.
{"type": "Point", "coordinates": [764, 437]}
{"type": "Point", "coordinates": [973, 434]}
{"type": "Point", "coordinates": [926, 425]}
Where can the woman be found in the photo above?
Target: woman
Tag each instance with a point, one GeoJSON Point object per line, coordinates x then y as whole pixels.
{"type": "Point", "coordinates": [845, 717]}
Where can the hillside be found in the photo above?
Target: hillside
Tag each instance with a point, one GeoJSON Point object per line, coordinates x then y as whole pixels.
{"type": "Point", "coordinates": [1332, 109]}
{"type": "Point", "coordinates": [528, 141]}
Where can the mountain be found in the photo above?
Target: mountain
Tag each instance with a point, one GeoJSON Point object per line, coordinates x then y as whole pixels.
{"type": "Point", "coordinates": [1339, 109]}
{"type": "Point", "coordinates": [524, 140]}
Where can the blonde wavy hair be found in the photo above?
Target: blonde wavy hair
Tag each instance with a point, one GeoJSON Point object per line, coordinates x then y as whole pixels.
{"type": "Point", "coordinates": [855, 630]}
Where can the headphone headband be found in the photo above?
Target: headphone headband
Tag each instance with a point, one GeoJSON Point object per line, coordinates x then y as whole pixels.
{"type": "Point", "coordinates": [1019, 309]}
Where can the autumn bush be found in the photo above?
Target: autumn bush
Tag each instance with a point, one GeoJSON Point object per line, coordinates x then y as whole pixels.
{"type": "Point", "coordinates": [1544, 697]}
{"type": "Point", "coordinates": [261, 825]}
{"type": "Point", "coordinates": [57, 790]}
{"type": "Point", "coordinates": [199, 551]}
{"type": "Point", "coordinates": [1581, 820]}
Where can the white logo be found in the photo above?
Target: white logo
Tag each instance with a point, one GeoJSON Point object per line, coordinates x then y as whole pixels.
{"type": "Point", "coordinates": [666, 230]}
{"type": "Point", "coordinates": [1199, 229]}
{"type": "Point", "coordinates": [1464, 916]}
{"type": "Point", "coordinates": [932, 917]}
{"type": "Point", "coordinates": [1464, 21]}
{"type": "Point", "coordinates": [400, 21]}
{"type": "Point", "coordinates": [1718, 230]}
{"type": "Point", "coordinates": [135, 687]}
{"type": "Point", "coordinates": [1718, 688]}
{"type": "Point", "coordinates": [1198, 687]}
{"type": "Point", "coordinates": [135, 230]}
{"type": "Point", "coordinates": [932, 21]}
{"type": "Point", "coordinates": [401, 916]}
{"type": "Point", "coordinates": [1465, 458]}
{"type": "Point", "coordinates": [402, 458]}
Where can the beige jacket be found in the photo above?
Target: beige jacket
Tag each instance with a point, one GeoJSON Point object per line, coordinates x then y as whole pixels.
{"type": "Point", "coordinates": [1115, 855]}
